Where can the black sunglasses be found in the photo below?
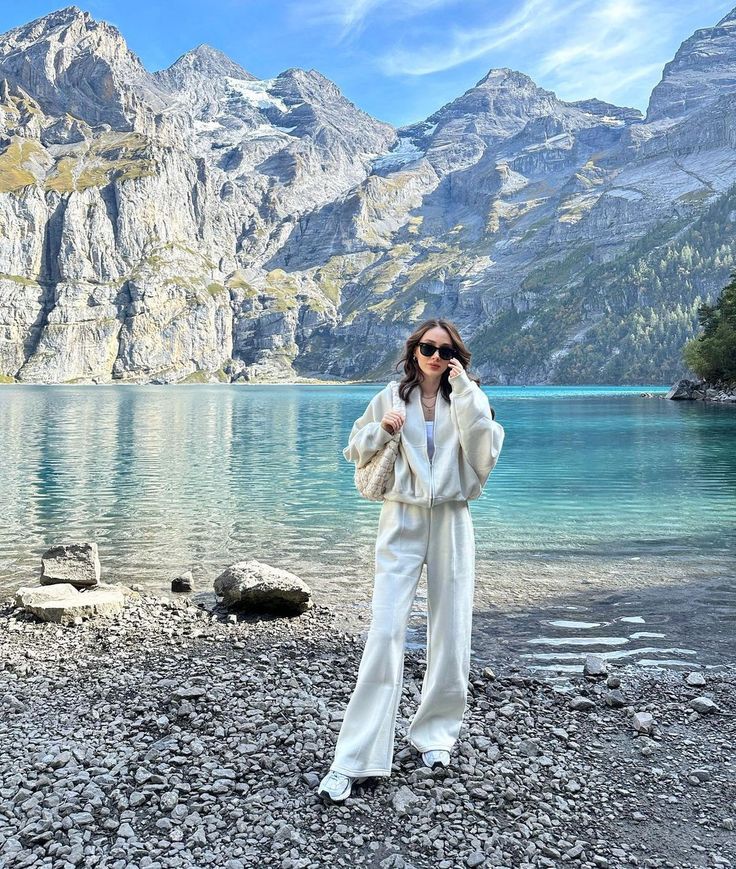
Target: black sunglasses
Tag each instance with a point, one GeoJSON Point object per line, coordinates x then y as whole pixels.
{"type": "Point", "coordinates": [429, 350]}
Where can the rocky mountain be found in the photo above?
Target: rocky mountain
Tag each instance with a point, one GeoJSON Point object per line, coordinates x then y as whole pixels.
{"type": "Point", "coordinates": [199, 223]}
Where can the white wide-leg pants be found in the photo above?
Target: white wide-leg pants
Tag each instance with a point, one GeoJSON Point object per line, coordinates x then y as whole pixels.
{"type": "Point", "coordinates": [408, 536]}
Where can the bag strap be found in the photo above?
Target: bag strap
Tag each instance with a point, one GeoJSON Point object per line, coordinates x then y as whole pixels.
{"type": "Point", "coordinates": [397, 402]}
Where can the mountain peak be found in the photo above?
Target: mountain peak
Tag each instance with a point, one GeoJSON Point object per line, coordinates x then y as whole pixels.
{"type": "Point", "coordinates": [205, 50]}
{"type": "Point", "coordinates": [61, 16]}
{"type": "Point", "coordinates": [68, 12]}
{"type": "Point", "coordinates": [504, 77]}
{"type": "Point", "coordinates": [45, 26]}
{"type": "Point", "coordinates": [207, 61]}
{"type": "Point", "coordinates": [307, 84]}
{"type": "Point", "coordinates": [306, 75]}
{"type": "Point", "coordinates": [51, 29]}
{"type": "Point", "coordinates": [728, 20]}
{"type": "Point", "coordinates": [71, 63]}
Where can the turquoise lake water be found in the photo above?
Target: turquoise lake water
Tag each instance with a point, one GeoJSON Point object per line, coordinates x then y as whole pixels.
{"type": "Point", "coordinates": [595, 486]}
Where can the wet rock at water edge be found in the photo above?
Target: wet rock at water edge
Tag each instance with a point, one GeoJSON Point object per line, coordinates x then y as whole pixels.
{"type": "Point", "coordinates": [182, 583]}
{"type": "Point", "coordinates": [595, 667]}
{"type": "Point", "coordinates": [75, 563]}
{"type": "Point", "coordinates": [30, 596]}
{"type": "Point", "coordinates": [693, 390]}
{"type": "Point", "coordinates": [686, 390]}
{"type": "Point", "coordinates": [255, 586]}
{"type": "Point", "coordinates": [65, 605]}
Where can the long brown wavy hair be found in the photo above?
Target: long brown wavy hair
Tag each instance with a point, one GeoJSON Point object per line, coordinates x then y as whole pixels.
{"type": "Point", "coordinates": [412, 373]}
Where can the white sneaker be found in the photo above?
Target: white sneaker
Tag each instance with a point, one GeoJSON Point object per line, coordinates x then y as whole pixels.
{"type": "Point", "coordinates": [336, 787]}
{"type": "Point", "coordinates": [436, 758]}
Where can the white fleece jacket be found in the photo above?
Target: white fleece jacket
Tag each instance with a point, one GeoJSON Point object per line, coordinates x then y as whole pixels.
{"type": "Point", "coordinates": [467, 443]}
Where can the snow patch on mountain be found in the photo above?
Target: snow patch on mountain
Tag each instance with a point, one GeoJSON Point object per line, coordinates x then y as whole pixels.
{"type": "Point", "coordinates": [257, 93]}
{"type": "Point", "coordinates": [404, 153]}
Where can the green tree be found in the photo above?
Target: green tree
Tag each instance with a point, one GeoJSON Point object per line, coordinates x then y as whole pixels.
{"type": "Point", "coordinates": [712, 355]}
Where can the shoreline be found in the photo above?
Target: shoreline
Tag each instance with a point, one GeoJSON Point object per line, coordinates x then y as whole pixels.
{"type": "Point", "coordinates": [9, 381]}
{"type": "Point", "coordinates": [194, 738]}
{"type": "Point", "coordinates": [519, 600]}
{"type": "Point", "coordinates": [323, 382]}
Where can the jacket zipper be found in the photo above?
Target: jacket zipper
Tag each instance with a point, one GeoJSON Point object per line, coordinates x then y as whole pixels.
{"type": "Point", "coordinates": [431, 484]}
{"type": "Point", "coordinates": [431, 463]}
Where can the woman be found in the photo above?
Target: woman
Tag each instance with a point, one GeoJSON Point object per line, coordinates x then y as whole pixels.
{"type": "Point", "coordinates": [450, 443]}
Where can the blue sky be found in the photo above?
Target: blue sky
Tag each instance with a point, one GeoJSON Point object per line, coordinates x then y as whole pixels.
{"type": "Point", "coordinates": [401, 60]}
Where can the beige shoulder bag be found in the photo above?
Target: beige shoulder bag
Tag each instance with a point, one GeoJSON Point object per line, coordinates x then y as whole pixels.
{"type": "Point", "coordinates": [371, 480]}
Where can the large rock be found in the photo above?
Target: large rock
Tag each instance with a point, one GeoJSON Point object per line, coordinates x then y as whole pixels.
{"type": "Point", "coordinates": [685, 390]}
{"type": "Point", "coordinates": [75, 563]}
{"type": "Point", "coordinates": [29, 596]}
{"type": "Point", "coordinates": [693, 390]}
{"type": "Point", "coordinates": [64, 604]}
{"type": "Point", "coordinates": [256, 586]}
{"type": "Point", "coordinates": [704, 705]}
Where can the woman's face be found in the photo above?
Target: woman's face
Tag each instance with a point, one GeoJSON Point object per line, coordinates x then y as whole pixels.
{"type": "Point", "coordinates": [433, 365]}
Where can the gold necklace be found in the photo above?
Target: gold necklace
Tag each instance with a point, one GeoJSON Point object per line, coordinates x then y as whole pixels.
{"type": "Point", "coordinates": [428, 407]}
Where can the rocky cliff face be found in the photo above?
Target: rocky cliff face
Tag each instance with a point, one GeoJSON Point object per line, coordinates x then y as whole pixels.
{"type": "Point", "coordinates": [699, 75]}
{"type": "Point", "coordinates": [199, 223]}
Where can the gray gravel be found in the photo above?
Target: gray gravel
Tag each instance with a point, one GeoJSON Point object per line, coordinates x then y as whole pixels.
{"type": "Point", "coordinates": [169, 736]}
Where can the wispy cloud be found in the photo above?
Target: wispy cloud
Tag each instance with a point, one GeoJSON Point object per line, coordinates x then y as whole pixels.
{"type": "Point", "coordinates": [348, 17]}
{"type": "Point", "coordinates": [606, 83]}
{"type": "Point", "coordinates": [464, 44]}
{"type": "Point", "coordinates": [609, 48]}
{"type": "Point", "coordinates": [581, 31]}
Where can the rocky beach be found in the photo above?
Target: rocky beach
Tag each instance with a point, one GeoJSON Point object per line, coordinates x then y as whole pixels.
{"type": "Point", "coordinates": [171, 735]}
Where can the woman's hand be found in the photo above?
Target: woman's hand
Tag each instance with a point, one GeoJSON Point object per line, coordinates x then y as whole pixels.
{"type": "Point", "coordinates": [392, 421]}
{"type": "Point", "coordinates": [457, 368]}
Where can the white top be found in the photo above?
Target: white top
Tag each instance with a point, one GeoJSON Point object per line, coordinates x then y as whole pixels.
{"type": "Point", "coordinates": [429, 424]}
